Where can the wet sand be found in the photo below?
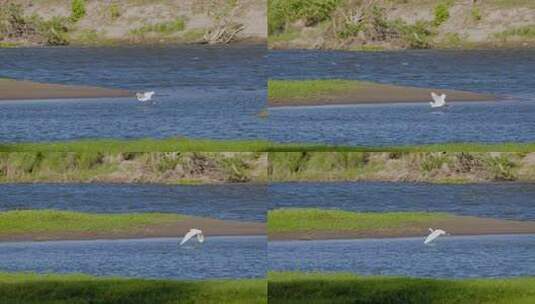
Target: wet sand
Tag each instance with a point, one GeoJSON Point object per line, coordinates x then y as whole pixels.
{"type": "Point", "coordinates": [210, 227]}
{"type": "Point", "coordinates": [455, 225]}
{"type": "Point", "coordinates": [27, 90]}
{"type": "Point", "coordinates": [373, 93]}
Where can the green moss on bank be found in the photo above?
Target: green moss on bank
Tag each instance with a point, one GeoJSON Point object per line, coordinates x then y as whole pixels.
{"type": "Point", "coordinates": [208, 145]}
{"type": "Point", "coordinates": [30, 288]}
{"type": "Point", "coordinates": [305, 89]}
{"type": "Point", "coordinates": [55, 221]}
{"type": "Point", "coordinates": [323, 288]}
{"type": "Point", "coordinates": [140, 145]}
{"type": "Point", "coordinates": [328, 220]}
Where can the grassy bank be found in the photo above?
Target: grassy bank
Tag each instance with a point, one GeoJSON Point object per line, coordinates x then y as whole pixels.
{"type": "Point", "coordinates": [306, 89]}
{"type": "Point", "coordinates": [141, 145]}
{"type": "Point", "coordinates": [324, 224]}
{"type": "Point", "coordinates": [342, 91]}
{"type": "Point", "coordinates": [437, 167]}
{"type": "Point", "coordinates": [133, 167]}
{"type": "Point", "coordinates": [28, 288]}
{"type": "Point", "coordinates": [236, 167]}
{"type": "Point", "coordinates": [55, 221]}
{"type": "Point", "coordinates": [319, 288]}
{"type": "Point", "coordinates": [43, 225]}
{"type": "Point", "coordinates": [327, 220]}
{"type": "Point", "coordinates": [208, 145]}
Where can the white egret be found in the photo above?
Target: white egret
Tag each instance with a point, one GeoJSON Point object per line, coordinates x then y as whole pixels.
{"type": "Point", "coordinates": [146, 96]}
{"type": "Point", "coordinates": [438, 101]}
{"type": "Point", "coordinates": [193, 233]}
{"type": "Point", "coordinates": [433, 235]}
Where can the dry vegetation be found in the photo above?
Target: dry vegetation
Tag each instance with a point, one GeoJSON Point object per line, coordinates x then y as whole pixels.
{"type": "Point", "coordinates": [395, 24]}
{"type": "Point", "coordinates": [441, 167]}
{"type": "Point", "coordinates": [157, 167]}
{"type": "Point", "coordinates": [51, 22]}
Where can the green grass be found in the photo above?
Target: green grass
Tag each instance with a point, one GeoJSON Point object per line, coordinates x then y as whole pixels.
{"type": "Point", "coordinates": [55, 221]}
{"type": "Point", "coordinates": [527, 31]}
{"type": "Point", "coordinates": [30, 288]}
{"type": "Point", "coordinates": [164, 28]}
{"type": "Point", "coordinates": [304, 89]}
{"type": "Point", "coordinates": [78, 10]}
{"type": "Point", "coordinates": [283, 37]}
{"type": "Point", "coordinates": [323, 288]}
{"type": "Point", "coordinates": [207, 145]}
{"type": "Point", "coordinates": [300, 220]}
{"type": "Point", "coordinates": [140, 145]}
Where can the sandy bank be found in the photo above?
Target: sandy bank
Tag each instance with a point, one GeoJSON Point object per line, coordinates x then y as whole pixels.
{"type": "Point", "coordinates": [456, 225]}
{"type": "Point", "coordinates": [210, 227]}
{"type": "Point", "coordinates": [374, 93]}
{"type": "Point", "coordinates": [27, 90]}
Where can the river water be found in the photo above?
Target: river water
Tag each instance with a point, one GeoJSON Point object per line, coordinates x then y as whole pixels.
{"type": "Point", "coordinates": [216, 258]}
{"type": "Point", "coordinates": [502, 72]}
{"type": "Point", "coordinates": [209, 92]}
{"type": "Point", "coordinates": [447, 257]}
{"type": "Point", "coordinates": [228, 202]}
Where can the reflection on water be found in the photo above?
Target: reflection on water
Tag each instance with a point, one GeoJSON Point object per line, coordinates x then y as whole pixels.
{"type": "Point", "coordinates": [218, 257]}
{"type": "Point", "coordinates": [447, 257]}
{"type": "Point", "coordinates": [515, 201]}
{"type": "Point", "coordinates": [228, 202]}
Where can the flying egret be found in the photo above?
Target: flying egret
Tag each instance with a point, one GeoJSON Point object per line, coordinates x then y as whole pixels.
{"type": "Point", "coordinates": [146, 96]}
{"type": "Point", "coordinates": [438, 101]}
{"type": "Point", "coordinates": [191, 233]}
{"type": "Point", "coordinates": [433, 235]}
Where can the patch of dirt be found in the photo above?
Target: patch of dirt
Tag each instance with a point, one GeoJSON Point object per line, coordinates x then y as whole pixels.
{"type": "Point", "coordinates": [27, 90]}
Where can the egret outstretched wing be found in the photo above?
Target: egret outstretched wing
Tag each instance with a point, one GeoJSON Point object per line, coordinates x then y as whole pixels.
{"type": "Point", "coordinates": [191, 233]}
{"type": "Point", "coordinates": [433, 235]}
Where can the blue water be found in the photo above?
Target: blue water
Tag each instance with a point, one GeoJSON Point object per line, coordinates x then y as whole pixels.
{"type": "Point", "coordinates": [502, 72]}
{"type": "Point", "coordinates": [447, 257]}
{"type": "Point", "coordinates": [227, 202]}
{"type": "Point", "coordinates": [515, 201]}
{"type": "Point", "coordinates": [208, 92]}
{"type": "Point", "coordinates": [505, 73]}
{"type": "Point", "coordinates": [217, 257]}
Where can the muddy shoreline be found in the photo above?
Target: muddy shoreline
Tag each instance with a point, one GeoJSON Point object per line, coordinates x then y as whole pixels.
{"type": "Point", "coordinates": [372, 93]}
{"type": "Point", "coordinates": [23, 90]}
{"type": "Point", "coordinates": [210, 227]}
{"type": "Point", "coordinates": [455, 225]}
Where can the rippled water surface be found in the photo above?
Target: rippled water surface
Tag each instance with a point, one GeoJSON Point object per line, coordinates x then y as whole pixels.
{"type": "Point", "coordinates": [505, 73]}
{"type": "Point", "coordinates": [447, 257]}
{"type": "Point", "coordinates": [229, 202]}
{"type": "Point", "coordinates": [210, 92]}
{"type": "Point", "coordinates": [218, 257]}
{"type": "Point", "coordinates": [514, 201]}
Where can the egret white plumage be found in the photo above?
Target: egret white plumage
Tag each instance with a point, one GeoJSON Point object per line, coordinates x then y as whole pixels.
{"type": "Point", "coordinates": [433, 235]}
{"type": "Point", "coordinates": [193, 233]}
{"type": "Point", "coordinates": [438, 100]}
{"type": "Point", "coordinates": [146, 96]}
